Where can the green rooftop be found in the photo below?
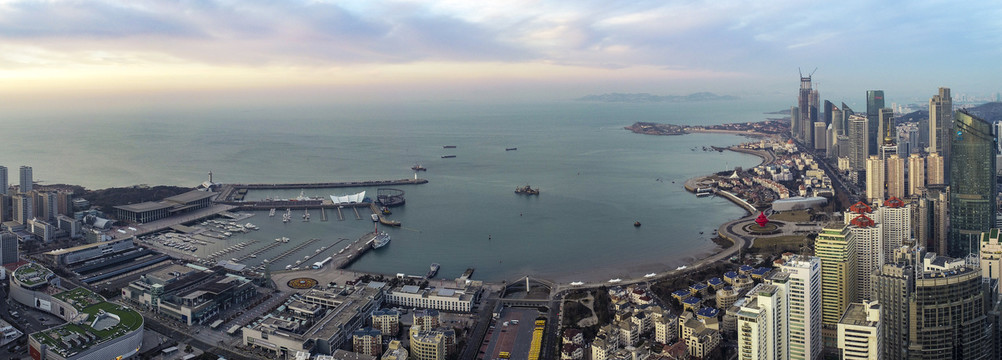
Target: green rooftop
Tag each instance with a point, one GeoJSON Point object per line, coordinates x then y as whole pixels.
{"type": "Point", "coordinates": [99, 321]}
{"type": "Point", "coordinates": [32, 274]}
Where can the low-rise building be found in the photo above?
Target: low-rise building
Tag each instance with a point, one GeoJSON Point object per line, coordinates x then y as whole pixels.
{"type": "Point", "coordinates": [447, 299]}
{"type": "Point", "coordinates": [387, 321]}
{"type": "Point", "coordinates": [195, 297]}
{"type": "Point", "coordinates": [367, 341]}
{"type": "Point", "coordinates": [395, 351]}
{"type": "Point", "coordinates": [431, 343]}
{"type": "Point", "coordinates": [343, 313]}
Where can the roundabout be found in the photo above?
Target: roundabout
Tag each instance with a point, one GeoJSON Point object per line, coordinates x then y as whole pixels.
{"type": "Point", "coordinates": [769, 228]}
{"type": "Point", "coordinates": [302, 283]}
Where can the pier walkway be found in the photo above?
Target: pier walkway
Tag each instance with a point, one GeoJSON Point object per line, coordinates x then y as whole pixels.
{"type": "Point", "coordinates": [228, 191]}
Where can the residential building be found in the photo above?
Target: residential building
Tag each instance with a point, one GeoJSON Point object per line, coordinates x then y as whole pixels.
{"type": "Point", "coordinates": [972, 179]}
{"type": "Point", "coordinates": [387, 321]}
{"type": "Point", "coordinates": [895, 176]}
{"type": "Point", "coordinates": [395, 351]}
{"type": "Point", "coordinates": [8, 248]}
{"type": "Point", "coordinates": [941, 127]}
{"type": "Point", "coordinates": [666, 329]}
{"type": "Point", "coordinates": [859, 332]}
{"type": "Point", "coordinates": [431, 344]}
{"type": "Point", "coordinates": [24, 208]}
{"type": "Point", "coordinates": [991, 257]}
{"type": "Point", "coordinates": [916, 175]}
{"type": "Point", "coordinates": [869, 239]}
{"type": "Point", "coordinates": [895, 217]}
{"type": "Point", "coordinates": [859, 146]}
{"type": "Point", "coordinates": [4, 186]}
{"type": "Point", "coordinates": [26, 184]}
{"type": "Point", "coordinates": [934, 170]}
{"type": "Point", "coordinates": [875, 182]}
{"type": "Point", "coordinates": [762, 325]}
{"type": "Point", "coordinates": [367, 341]}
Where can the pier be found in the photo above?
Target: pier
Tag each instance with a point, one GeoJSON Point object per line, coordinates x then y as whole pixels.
{"type": "Point", "coordinates": [382, 219]}
{"type": "Point", "coordinates": [235, 192]}
{"type": "Point", "coordinates": [259, 251]}
{"type": "Point", "coordinates": [340, 216]}
{"type": "Point", "coordinates": [355, 250]}
{"type": "Point", "coordinates": [294, 249]}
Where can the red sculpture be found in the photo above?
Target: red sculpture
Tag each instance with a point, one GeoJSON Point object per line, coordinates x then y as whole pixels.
{"type": "Point", "coordinates": [761, 220]}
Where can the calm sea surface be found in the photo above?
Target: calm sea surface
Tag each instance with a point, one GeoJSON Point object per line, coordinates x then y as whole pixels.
{"type": "Point", "coordinates": [596, 178]}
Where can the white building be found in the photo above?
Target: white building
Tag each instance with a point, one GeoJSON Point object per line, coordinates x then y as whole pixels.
{"type": "Point", "coordinates": [762, 328]}
{"type": "Point", "coordinates": [433, 298]}
{"type": "Point", "coordinates": [859, 332]}
{"type": "Point", "coordinates": [896, 218]}
{"type": "Point", "coordinates": [804, 305]}
{"type": "Point", "coordinates": [875, 179]}
{"type": "Point", "coordinates": [991, 256]}
{"type": "Point", "coordinates": [869, 237]}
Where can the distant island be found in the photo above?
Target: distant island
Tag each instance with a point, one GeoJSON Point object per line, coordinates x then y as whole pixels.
{"type": "Point", "coordinates": [651, 98]}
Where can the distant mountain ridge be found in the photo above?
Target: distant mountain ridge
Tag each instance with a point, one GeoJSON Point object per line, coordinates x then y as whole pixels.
{"type": "Point", "coordinates": [990, 112]}
{"type": "Point", "coordinates": [651, 98]}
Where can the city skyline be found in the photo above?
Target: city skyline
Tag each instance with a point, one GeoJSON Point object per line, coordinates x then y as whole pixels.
{"type": "Point", "coordinates": [151, 53]}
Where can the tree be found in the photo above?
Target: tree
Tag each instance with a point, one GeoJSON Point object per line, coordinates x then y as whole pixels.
{"type": "Point", "coordinates": [187, 348]}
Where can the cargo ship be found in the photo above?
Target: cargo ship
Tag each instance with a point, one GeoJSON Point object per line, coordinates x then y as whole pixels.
{"type": "Point", "coordinates": [418, 168]}
{"type": "Point", "coordinates": [380, 240]}
{"type": "Point", "coordinates": [528, 190]}
{"type": "Point", "coordinates": [511, 149]}
{"type": "Point", "coordinates": [448, 156]}
{"type": "Point", "coordinates": [449, 146]}
{"type": "Point", "coordinates": [433, 271]}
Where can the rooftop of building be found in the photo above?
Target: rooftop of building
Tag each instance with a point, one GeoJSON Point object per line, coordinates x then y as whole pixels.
{"type": "Point", "coordinates": [85, 247]}
{"type": "Point", "coordinates": [32, 274]}
{"type": "Point", "coordinates": [330, 324]}
{"type": "Point", "coordinates": [855, 315]}
{"type": "Point", "coordinates": [190, 196]}
{"type": "Point", "coordinates": [146, 206]}
{"type": "Point", "coordinates": [99, 321]}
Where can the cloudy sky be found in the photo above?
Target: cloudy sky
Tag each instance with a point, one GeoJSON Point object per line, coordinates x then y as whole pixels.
{"type": "Point", "coordinates": [142, 52]}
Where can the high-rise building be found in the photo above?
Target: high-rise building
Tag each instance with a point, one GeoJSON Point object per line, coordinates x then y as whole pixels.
{"type": "Point", "coordinates": [874, 102]}
{"type": "Point", "coordinates": [886, 128]}
{"type": "Point", "coordinates": [795, 131]}
{"type": "Point", "coordinates": [892, 290]}
{"type": "Point", "coordinates": [3, 180]}
{"type": "Point", "coordinates": [858, 142]}
{"type": "Point", "coordinates": [838, 122]}
{"type": "Point", "coordinates": [941, 124]}
{"type": "Point", "coordinates": [869, 239]}
{"type": "Point", "coordinates": [836, 248]}
{"type": "Point", "coordinates": [948, 313]}
{"type": "Point", "coordinates": [972, 183]}
{"type": "Point", "coordinates": [26, 182]}
{"type": "Point", "coordinates": [762, 324]}
{"type": "Point", "coordinates": [859, 332]}
{"type": "Point", "coordinates": [8, 248]}
{"type": "Point", "coordinates": [803, 299]}
{"type": "Point", "coordinates": [934, 170]}
{"type": "Point", "coordinates": [807, 105]}
{"type": "Point", "coordinates": [916, 175]}
{"type": "Point", "coordinates": [991, 257]}
{"type": "Point", "coordinates": [896, 217]}
{"type": "Point", "coordinates": [820, 136]}
{"type": "Point", "coordinates": [875, 180]}
{"type": "Point", "coordinates": [895, 170]}
{"type": "Point", "coordinates": [24, 208]}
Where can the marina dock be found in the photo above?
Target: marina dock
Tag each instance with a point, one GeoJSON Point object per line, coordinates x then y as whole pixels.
{"type": "Point", "coordinates": [235, 192]}
{"type": "Point", "coordinates": [355, 250]}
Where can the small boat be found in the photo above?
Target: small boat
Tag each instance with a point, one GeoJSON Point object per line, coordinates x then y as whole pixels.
{"type": "Point", "coordinates": [636, 223]}
{"type": "Point", "coordinates": [253, 256]}
{"type": "Point", "coordinates": [382, 239]}
{"type": "Point", "coordinates": [433, 271]}
{"type": "Point", "coordinates": [272, 212]}
{"type": "Point", "coordinates": [418, 168]}
{"type": "Point", "coordinates": [511, 149]}
{"type": "Point", "coordinates": [650, 275]}
{"type": "Point", "coordinates": [577, 283]}
{"type": "Point", "coordinates": [375, 218]}
{"type": "Point", "coordinates": [681, 267]}
{"type": "Point", "coordinates": [616, 280]}
{"type": "Point", "coordinates": [448, 156]}
{"type": "Point", "coordinates": [385, 210]}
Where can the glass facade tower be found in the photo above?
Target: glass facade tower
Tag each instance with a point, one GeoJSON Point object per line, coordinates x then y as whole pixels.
{"type": "Point", "coordinates": [972, 183]}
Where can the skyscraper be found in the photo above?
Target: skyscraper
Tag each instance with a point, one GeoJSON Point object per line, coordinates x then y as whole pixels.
{"type": "Point", "coordinates": [948, 314]}
{"type": "Point", "coordinates": [893, 289]}
{"type": "Point", "coordinates": [896, 217]}
{"type": "Point", "coordinates": [941, 125]}
{"type": "Point", "coordinates": [3, 180]}
{"type": "Point", "coordinates": [820, 136]}
{"type": "Point", "coordinates": [886, 128]}
{"type": "Point", "coordinates": [836, 248]}
{"type": "Point", "coordinates": [916, 175]}
{"type": "Point", "coordinates": [8, 248]}
{"type": "Point", "coordinates": [795, 131]}
{"type": "Point", "coordinates": [807, 105]}
{"type": "Point", "coordinates": [972, 183]}
{"type": "Point", "coordinates": [24, 208]}
{"type": "Point", "coordinates": [868, 236]}
{"type": "Point", "coordinates": [804, 304]}
{"type": "Point", "coordinates": [874, 102]}
{"type": "Point", "coordinates": [895, 176]}
{"type": "Point", "coordinates": [875, 179]}
{"type": "Point", "coordinates": [858, 142]}
{"type": "Point", "coordinates": [934, 170]}
{"type": "Point", "coordinates": [762, 323]}
{"type": "Point", "coordinates": [26, 184]}
{"type": "Point", "coordinates": [991, 256]}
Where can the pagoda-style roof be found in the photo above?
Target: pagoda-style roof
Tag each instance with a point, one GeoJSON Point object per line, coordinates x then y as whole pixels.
{"type": "Point", "coordinates": [860, 208]}
{"type": "Point", "coordinates": [894, 202]}
{"type": "Point", "coordinates": [863, 221]}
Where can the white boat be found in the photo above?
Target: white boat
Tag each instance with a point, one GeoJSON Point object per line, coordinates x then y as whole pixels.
{"type": "Point", "coordinates": [577, 283]}
{"type": "Point", "coordinates": [681, 267]}
{"type": "Point", "coordinates": [375, 218]}
{"type": "Point", "coordinates": [380, 240]}
{"type": "Point", "coordinates": [287, 267]}
{"type": "Point", "coordinates": [616, 280]}
{"type": "Point", "coordinates": [650, 275]}
{"type": "Point", "coordinates": [253, 256]}
{"type": "Point", "coordinates": [272, 212]}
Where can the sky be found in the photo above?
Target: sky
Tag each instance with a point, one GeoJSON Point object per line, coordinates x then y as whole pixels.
{"type": "Point", "coordinates": [143, 53]}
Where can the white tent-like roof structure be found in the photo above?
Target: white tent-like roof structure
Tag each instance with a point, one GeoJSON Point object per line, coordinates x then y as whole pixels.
{"type": "Point", "coordinates": [348, 199]}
